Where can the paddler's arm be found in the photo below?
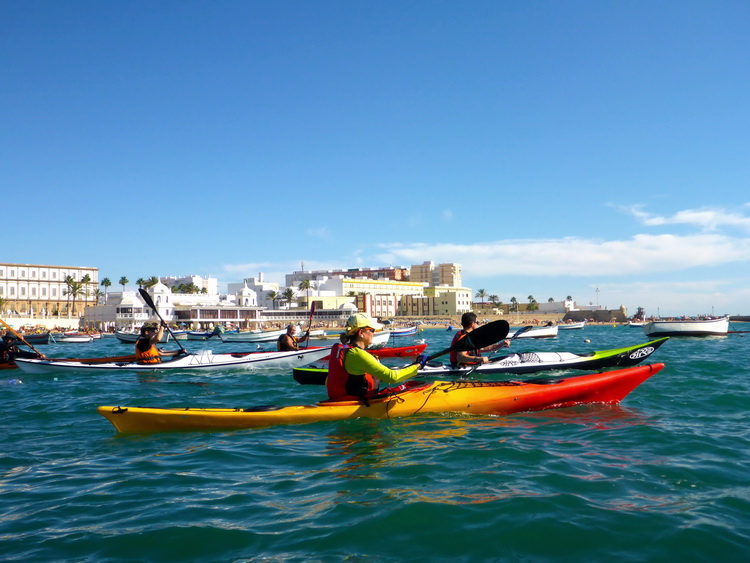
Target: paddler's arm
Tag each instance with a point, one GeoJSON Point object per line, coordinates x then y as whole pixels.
{"type": "Point", "coordinates": [360, 361]}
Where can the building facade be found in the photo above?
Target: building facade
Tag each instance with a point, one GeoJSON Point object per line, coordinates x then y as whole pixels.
{"type": "Point", "coordinates": [46, 291]}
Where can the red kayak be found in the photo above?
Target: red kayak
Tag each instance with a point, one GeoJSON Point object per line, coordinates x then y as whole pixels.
{"type": "Point", "coordinates": [401, 352]}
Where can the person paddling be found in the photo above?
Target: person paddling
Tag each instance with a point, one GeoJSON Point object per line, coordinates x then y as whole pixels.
{"type": "Point", "coordinates": [146, 351]}
{"type": "Point", "coordinates": [289, 342]}
{"type": "Point", "coordinates": [354, 373]}
{"type": "Point", "coordinates": [472, 357]}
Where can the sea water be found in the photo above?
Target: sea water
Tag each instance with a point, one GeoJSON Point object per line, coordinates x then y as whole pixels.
{"type": "Point", "coordinates": [665, 475]}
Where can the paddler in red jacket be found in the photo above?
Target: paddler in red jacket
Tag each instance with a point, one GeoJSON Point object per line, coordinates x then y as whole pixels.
{"type": "Point", "coordinates": [472, 357]}
{"type": "Point", "coordinates": [354, 373]}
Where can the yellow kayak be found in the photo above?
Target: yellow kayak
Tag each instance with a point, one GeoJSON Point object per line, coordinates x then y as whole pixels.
{"type": "Point", "coordinates": [471, 397]}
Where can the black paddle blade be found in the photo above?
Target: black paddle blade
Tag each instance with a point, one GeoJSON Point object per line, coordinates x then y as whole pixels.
{"type": "Point", "coordinates": [485, 335]}
{"type": "Point", "coordinates": [147, 298]}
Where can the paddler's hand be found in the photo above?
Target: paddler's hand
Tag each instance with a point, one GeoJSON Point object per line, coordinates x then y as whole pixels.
{"type": "Point", "coordinates": [422, 360]}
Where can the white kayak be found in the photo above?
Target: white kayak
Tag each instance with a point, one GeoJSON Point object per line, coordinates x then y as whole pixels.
{"type": "Point", "coordinates": [201, 360]}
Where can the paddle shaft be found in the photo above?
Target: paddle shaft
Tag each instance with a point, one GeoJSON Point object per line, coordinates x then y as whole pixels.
{"type": "Point", "coordinates": [309, 324]}
{"type": "Point", "coordinates": [20, 337]}
{"type": "Point", "coordinates": [150, 303]}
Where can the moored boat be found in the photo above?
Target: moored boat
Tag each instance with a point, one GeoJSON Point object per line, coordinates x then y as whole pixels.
{"type": "Point", "coordinates": [37, 338]}
{"type": "Point", "coordinates": [130, 337]}
{"type": "Point", "coordinates": [572, 326]}
{"type": "Point", "coordinates": [468, 397]}
{"type": "Point", "coordinates": [74, 338]}
{"type": "Point", "coordinates": [688, 327]}
{"type": "Point", "coordinates": [549, 331]}
{"type": "Point", "coordinates": [406, 331]}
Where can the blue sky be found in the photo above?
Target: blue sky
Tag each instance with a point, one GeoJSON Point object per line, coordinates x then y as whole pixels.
{"type": "Point", "coordinates": [551, 148]}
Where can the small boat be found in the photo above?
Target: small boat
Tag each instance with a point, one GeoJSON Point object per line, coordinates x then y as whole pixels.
{"type": "Point", "coordinates": [253, 336]}
{"type": "Point", "coordinates": [525, 362]}
{"type": "Point", "coordinates": [636, 324]}
{"type": "Point", "coordinates": [202, 335]}
{"type": "Point", "coordinates": [74, 338]}
{"type": "Point", "coordinates": [537, 332]}
{"type": "Point", "coordinates": [688, 327]}
{"type": "Point", "coordinates": [42, 338]}
{"type": "Point", "coordinates": [572, 326]}
{"type": "Point", "coordinates": [131, 337]}
{"type": "Point", "coordinates": [407, 331]}
{"type": "Point", "coordinates": [204, 360]}
{"type": "Point", "coordinates": [413, 397]}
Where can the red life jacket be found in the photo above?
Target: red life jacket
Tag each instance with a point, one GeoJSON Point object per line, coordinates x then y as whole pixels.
{"type": "Point", "coordinates": [344, 386]}
{"type": "Point", "coordinates": [454, 355]}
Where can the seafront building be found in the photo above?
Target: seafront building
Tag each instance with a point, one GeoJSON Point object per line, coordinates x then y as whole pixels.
{"type": "Point", "coordinates": [45, 291]}
{"type": "Point", "coordinates": [422, 290]}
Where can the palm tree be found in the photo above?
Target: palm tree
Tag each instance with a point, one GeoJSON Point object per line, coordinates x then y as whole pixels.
{"type": "Point", "coordinates": [140, 282]}
{"type": "Point", "coordinates": [551, 300]}
{"type": "Point", "coordinates": [273, 296]}
{"type": "Point", "coordinates": [569, 298]}
{"type": "Point", "coordinates": [105, 283]}
{"type": "Point", "coordinates": [514, 302]}
{"type": "Point", "coordinates": [494, 299]}
{"type": "Point", "coordinates": [86, 280]}
{"type": "Point", "coordinates": [123, 282]}
{"type": "Point", "coordinates": [288, 295]}
{"type": "Point", "coordinates": [533, 306]}
{"type": "Point", "coordinates": [481, 294]}
{"type": "Point", "coordinates": [305, 285]}
{"type": "Point", "coordinates": [75, 288]}
{"type": "Point", "coordinates": [97, 294]}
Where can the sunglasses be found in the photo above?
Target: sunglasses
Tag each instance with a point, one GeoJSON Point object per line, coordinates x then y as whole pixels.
{"type": "Point", "coordinates": [368, 329]}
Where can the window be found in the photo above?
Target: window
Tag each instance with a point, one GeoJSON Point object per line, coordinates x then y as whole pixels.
{"type": "Point", "coordinates": [33, 292]}
{"type": "Point", "coordinates": [23, 292]}
{"type": "Point", "coordinates": [44, 292]}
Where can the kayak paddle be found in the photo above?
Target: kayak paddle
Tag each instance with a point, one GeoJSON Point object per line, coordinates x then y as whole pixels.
{"type": "Point", "coordinates": [309, 324]}
{"type": "Point", "coordinates": [485, 335]}
{"type": "Point", "coordinates": [21, 338]}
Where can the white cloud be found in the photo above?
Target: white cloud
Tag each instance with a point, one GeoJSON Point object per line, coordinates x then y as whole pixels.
{"type": "Point", "coordinates": [707, 219]}
{"type": "Point", "coordinates": [573, 256]}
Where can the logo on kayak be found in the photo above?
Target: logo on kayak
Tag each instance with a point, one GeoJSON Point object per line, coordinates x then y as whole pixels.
{"type": "Point", "coordinates": [642, 352]}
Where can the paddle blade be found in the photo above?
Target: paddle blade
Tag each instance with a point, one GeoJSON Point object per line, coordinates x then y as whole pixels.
{"type": "Point", "coordinates": [147, 298]}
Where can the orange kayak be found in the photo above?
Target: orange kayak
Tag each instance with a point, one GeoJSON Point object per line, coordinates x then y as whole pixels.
{"type": "Point", "coordinates": [470, 397]}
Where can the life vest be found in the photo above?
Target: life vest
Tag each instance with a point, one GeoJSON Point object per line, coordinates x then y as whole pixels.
{"type": "Point", "coordinates": [344, 386]}
{"type": "Point", "coordinates": [150, 356]}
{"type": "Point", "coordinates": [454, 355]}
{"type": "Point", "coordinates": [280, 340]}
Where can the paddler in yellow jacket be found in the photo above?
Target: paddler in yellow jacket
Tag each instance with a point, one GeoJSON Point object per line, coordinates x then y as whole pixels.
{"type": "Point", "coordinates": [146, 351]}
{"type": "Point", "coordinates": [354, 373]}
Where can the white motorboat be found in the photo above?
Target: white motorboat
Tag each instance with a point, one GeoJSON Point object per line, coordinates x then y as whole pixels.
{"type": "Point", "coordinates": [688, 327]}
{"type": "Point", "coordinates": [537, 332]}
{"type": "Point", "coordinates": [572, 326]}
